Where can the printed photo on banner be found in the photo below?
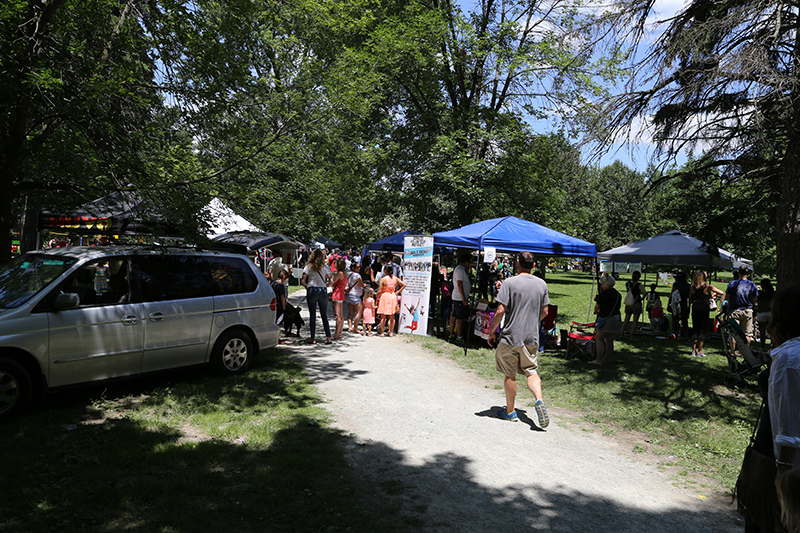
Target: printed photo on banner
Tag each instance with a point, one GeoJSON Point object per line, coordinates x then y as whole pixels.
{"type": "Point", "coordinates": [417, 264]}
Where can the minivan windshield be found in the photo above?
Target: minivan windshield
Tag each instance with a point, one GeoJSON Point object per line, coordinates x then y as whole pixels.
{"type": "Point", "coordinates": [22, 278]}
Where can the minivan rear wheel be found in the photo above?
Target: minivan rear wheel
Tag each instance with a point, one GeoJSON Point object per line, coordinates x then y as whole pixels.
{"type": "Point", "coordinates": [233, 352]}
{"type": "Point", "coordinates": [15, 388]}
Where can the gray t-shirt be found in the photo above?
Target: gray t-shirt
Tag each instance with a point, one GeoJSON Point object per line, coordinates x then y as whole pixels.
{"type": "Point", "coordinates": [524, 296]}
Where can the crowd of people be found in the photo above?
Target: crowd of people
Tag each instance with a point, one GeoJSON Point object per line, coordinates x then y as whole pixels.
{"type": "Point", "coordinates": [371, 292]}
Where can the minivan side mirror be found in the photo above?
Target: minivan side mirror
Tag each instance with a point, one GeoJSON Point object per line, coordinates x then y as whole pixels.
{"type": "Point", "coordinates": [67, 300]}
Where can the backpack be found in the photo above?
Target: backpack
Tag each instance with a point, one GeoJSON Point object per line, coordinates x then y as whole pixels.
{"type": "Point", "coordinates": [447, 288]}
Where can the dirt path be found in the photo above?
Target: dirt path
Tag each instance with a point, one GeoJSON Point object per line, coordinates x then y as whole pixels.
{"type": "Point", "coordinates": [424, 430]}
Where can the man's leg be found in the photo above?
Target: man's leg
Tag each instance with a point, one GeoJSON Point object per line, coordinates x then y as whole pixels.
{"type": "Point", "coordinates": [535, 386]}
{"type": "Point", "coordinates": [510, 386]}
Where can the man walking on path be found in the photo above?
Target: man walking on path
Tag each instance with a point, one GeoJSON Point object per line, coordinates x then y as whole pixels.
{"type": "Point", "coordinates": [523, 301]}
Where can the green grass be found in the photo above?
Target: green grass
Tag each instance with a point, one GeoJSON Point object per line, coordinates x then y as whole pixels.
{"type": "Point", "coordinates": [185, 452]}
{"type": "Point", "coordinates": [660, 399]}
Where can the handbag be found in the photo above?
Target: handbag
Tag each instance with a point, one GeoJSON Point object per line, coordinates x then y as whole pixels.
{"type": "Point", "coordinates": [755, 493]}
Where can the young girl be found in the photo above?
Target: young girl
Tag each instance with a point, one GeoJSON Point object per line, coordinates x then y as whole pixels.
{"type": "Point", "coordinates": [369, 310]}
{"type": "Point", "coordinates": [337, 296]}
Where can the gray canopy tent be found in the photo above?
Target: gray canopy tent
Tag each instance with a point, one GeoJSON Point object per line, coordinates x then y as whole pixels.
{"type": "Point", "coordinates": [675, 248]}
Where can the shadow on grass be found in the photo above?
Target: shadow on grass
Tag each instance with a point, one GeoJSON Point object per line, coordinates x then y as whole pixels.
{"type": "Point", "coordinates": [659, 370]}
{"type": "Point", "coordinates": [116, 475]}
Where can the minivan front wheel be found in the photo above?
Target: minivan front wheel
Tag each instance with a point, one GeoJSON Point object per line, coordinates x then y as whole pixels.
{"type": "Point", "coordinates": [233, 352]}
{"type": "Point", "coordinates": [15, 388]}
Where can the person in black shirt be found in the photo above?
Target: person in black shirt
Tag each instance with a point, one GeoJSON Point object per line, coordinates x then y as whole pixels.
{"type": "Point", "coordinates": [607, 325]}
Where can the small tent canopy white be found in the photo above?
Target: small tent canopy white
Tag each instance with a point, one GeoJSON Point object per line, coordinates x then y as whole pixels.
{"type": "Point", "coordinates": [677, 249]}
{"type": "Point", "coordinates": [225, 220]}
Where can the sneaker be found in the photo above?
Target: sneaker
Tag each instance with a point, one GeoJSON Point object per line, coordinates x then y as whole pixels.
{"type": "Point", "coordinates": [504, 415]}
{"type": "Point", "coordinates": [694, 354]}
{"type": "Point", "coordinates": [541, 412]}
{"type": "Point", "coordinates": [700, 354]}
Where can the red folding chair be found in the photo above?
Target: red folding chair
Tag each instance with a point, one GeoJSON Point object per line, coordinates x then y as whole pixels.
{"type": "Point", "coordinates": [580, 341]}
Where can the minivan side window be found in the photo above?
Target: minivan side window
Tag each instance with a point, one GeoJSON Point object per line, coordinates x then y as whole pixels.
{"type": "Point", "coordinates": [171, 277]}
{"type": "Point", "coordinates": [99, 282]}
{"type": "Point", "coordinates": [232, 275]}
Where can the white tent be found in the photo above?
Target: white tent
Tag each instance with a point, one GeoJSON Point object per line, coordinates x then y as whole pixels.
{"type": "Point", "coordinates": [675, 248]}
{"type": "Point", "coordinates": [225, 220]}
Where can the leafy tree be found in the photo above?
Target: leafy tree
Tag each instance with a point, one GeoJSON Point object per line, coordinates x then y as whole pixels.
{"type": "Point", "coordinates": [723, 78]}
{"type": "Point", "coordinates": [76, 81]}
{"type": "Point", "coordinates": [457, 87]}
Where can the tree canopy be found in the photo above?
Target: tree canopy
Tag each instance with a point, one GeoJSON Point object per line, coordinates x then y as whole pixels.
{"type": "Point", "coordinates": [723, 80]}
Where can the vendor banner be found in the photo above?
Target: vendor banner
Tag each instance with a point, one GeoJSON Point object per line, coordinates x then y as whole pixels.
{"type": "Point", "coordinates": [417, 264]}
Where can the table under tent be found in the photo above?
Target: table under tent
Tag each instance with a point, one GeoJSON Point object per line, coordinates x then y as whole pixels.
{"type": "Point", "coordinates": [512, 234]}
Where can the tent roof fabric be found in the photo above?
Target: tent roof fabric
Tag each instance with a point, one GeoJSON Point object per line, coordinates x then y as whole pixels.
{"type": "Point", "coordinates": [249, 241]}
{"type": "Point", "coordinates": [675, 248]}
{"type": "Point", "coordinates": [121, 212]}
{"type": "Point", "coordinates": [512, 234]}
{"type": "Point", "coordinates": [225, 220]}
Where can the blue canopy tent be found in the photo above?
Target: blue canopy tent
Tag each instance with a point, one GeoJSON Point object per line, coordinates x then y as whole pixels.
{"type": "Point", "coordinates": [512, 234]}
{"type": "Point", "coordinates": [396, 243]}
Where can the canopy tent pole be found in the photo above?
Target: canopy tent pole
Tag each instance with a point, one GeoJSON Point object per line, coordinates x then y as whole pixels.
{"type": "Point", "coordinates": [591, 294]}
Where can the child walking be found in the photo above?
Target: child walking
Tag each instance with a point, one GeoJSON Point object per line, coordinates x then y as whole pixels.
{"type": "Point", "coordinates": [369, 310]}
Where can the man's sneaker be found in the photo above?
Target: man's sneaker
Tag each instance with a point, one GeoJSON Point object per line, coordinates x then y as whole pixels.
{"type": "Point", "coordinates": [694, 353]}
{"type": "Point", "coordinates": [541, 412]}
{"type": "Point", "coordinates": [700, 354]}
{"type": "Point", "coordinates": [504, 415]}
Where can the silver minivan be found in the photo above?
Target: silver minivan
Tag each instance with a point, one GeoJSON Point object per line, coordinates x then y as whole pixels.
{"type": "Point", "coordinates": [82, 314]}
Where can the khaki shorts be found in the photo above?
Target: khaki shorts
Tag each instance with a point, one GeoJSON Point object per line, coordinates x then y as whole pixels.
{"type": "Point", "coordinates": [745, 319]}
{"type": "Point", "coordinates": [512, 360]}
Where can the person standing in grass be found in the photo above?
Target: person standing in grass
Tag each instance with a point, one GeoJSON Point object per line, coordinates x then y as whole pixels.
{"type": "Point", "coordinates": [609, 319]}
{"type": "Point", "coordinates": [701, 294]}
{"type": "Point", "coordinates": [523, 300]}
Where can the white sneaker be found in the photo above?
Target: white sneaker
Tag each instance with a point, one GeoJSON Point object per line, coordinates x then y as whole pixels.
{"type": "Point", "coordinates": [694, 354]}
{"type": "Point", "coordinates": [700, 354]}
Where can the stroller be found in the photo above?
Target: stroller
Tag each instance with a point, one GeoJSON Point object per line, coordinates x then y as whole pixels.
{"type": "Point", "coordinates": [742, 359]}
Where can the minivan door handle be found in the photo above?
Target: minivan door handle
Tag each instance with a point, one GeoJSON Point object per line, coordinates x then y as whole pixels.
{"type": "Point", "coordinates": [130, 320]}
{"type": "Point", "coordinates": [156, 317]}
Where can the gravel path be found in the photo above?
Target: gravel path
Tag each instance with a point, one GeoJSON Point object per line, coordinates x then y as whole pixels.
{"type": "Point", "coordinates": [424, 430]}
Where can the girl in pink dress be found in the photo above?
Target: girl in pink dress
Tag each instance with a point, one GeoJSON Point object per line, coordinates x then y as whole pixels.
{"type": "Point", "coordinates": [369, 310]}
{"type": "Point", "coordinates": [338, 296]}
{"type": "Point", "coordinates": [388, 289]}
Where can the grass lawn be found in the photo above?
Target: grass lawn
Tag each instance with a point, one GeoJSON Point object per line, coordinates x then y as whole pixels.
{"type": "Point", "coordinates": [192, 451]}
{"type": "Point", "coordinates": [188, 451]}
{"type": "Point", "coordinates": [664, 403]}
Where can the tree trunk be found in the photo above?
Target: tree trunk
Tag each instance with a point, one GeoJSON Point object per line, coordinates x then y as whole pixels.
{"type": "Point", "coordinates": [6, 225]}
{"type": "Point", "coordinates": [787, 234]}
{"type": "Point", "coordinates": [28, 238]}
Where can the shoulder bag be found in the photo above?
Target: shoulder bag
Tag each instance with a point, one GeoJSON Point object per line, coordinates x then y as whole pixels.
{"type": "Point", "coordinates": [755, 493]}
{"type": "Point", "coordinates": [630, 299]}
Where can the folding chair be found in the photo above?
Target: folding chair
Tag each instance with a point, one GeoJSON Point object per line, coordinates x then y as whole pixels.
{"type": "Point", "coordinates": [735, 347]}
{"type": "Point", "coordinates": [580, 341]}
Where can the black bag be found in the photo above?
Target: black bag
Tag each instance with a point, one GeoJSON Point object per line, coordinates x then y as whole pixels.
{"type": "Point", "coordinates": [755, 493]}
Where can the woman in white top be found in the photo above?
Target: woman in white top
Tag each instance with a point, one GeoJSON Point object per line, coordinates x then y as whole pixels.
{"type": "Point", "coordinates": [316, 278]}
{"type": "Point", "coordinates": [353, 292]}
